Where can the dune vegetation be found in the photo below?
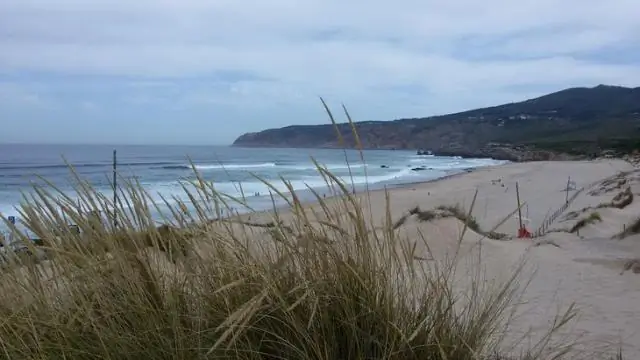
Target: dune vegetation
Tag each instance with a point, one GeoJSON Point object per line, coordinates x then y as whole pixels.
{"type": "Point", "coordinates": [319, 283]}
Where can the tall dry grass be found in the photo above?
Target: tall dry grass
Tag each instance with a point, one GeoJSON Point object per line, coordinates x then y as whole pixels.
{"type": "Point", "coordinates": [306, 283]}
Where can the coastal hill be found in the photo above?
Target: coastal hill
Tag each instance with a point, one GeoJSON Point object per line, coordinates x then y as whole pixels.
{"type": "Point", "coordinates": [575, 122]}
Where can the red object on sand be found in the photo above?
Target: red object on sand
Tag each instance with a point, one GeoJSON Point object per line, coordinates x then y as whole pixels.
{"type": "Point", "coordinates": [523, 233]}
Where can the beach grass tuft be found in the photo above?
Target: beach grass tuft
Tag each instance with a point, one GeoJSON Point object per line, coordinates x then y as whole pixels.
{"type": "Point", "coordinates": [592, 218]}
{"type": "Point", "coordinates": [310, 283]}
{"type": "Point", "coordinates": [631, 229]}
{"type": "Point", "coordinates": [310, 290]}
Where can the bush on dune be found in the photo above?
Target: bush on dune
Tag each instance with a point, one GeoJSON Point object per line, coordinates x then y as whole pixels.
{"type": "Point", "coordinates": [302, 289]}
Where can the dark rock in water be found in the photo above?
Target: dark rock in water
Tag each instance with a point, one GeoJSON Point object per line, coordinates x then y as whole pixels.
{"type": "Point", "coordinates": [384, 166]}
{"type": "Point", "coordinates": [421, 168]}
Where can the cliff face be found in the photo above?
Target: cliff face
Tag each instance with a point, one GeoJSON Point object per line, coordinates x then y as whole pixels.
{"type": "Point", "coordinates": [577, 121]}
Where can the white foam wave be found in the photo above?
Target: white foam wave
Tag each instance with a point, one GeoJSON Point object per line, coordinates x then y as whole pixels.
{"type": "Point", "coordinates": [8, 210]}
{"type": "Point", "coordinates": [250, 188]}
{"type": "Point", "coordinates": [457, 163]}
{"type": "Point", "coordinates": [328, 166]}
{"type": "Point", "coordinates": [402, 171]}
{"type": "Point", "coordinates": [359, 180]}
{"type": "Point", "coordinates": [234, 166]}
{"type": "Point", "coordinates": [309, 166]}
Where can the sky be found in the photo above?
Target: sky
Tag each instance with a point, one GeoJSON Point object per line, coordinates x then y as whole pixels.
{"type": "Point", "coordinates": [204, 72]}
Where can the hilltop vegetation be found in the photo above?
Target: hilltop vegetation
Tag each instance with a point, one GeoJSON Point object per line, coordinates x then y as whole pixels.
{"type": "Point", "coordinates": [571, 122]}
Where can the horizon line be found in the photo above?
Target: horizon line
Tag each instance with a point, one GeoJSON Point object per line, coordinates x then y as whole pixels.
{"type": "Point", "coordinates": [107, 144]}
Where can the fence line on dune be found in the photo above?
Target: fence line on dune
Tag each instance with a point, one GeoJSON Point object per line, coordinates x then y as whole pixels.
{"type": "Point", "coordinates": [542, 230]}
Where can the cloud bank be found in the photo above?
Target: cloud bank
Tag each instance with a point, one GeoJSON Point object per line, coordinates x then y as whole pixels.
{"type": "Point", "coordinates": [196, 71]}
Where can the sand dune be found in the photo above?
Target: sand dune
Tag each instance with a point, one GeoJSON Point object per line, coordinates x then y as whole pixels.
{"type": "Point", "coordinates": [585, 267]}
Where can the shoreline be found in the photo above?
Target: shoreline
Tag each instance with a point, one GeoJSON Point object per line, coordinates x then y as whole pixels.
{"type": "Point", "coordinates": [309, 199]}
{"type": "Point", "coordinates": [442, 178]}
{"type": "Point", "coordinates": [284, 208]}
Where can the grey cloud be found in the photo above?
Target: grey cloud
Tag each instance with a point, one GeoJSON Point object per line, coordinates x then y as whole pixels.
{"type": "Point", "coordinates": [249, 58]}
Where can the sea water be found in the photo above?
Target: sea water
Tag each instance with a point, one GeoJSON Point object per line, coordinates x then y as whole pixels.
{"type": "Point", "coordinates": [234, 171]}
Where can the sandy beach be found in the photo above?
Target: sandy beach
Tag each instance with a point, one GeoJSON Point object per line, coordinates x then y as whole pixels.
{"type": "Point", "coordinates": [585, 267]}
{"type": "Point", "coordinates": [584, 255]}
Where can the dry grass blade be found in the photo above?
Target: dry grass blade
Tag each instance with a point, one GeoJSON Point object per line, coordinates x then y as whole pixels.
{"type": "Point", "coordinates": [317, 283]}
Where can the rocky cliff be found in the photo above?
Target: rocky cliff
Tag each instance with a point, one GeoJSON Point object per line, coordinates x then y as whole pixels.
{"type": "Point", "coordinates": [569, 123]}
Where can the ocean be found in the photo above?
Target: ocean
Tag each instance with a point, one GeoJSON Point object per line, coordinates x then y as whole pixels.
{"type": "Point", "coordinates": [233, 170]}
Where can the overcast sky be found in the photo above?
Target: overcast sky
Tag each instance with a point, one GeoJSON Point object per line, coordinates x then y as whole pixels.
{"type": "Point", "coordinates": [204, 72]}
